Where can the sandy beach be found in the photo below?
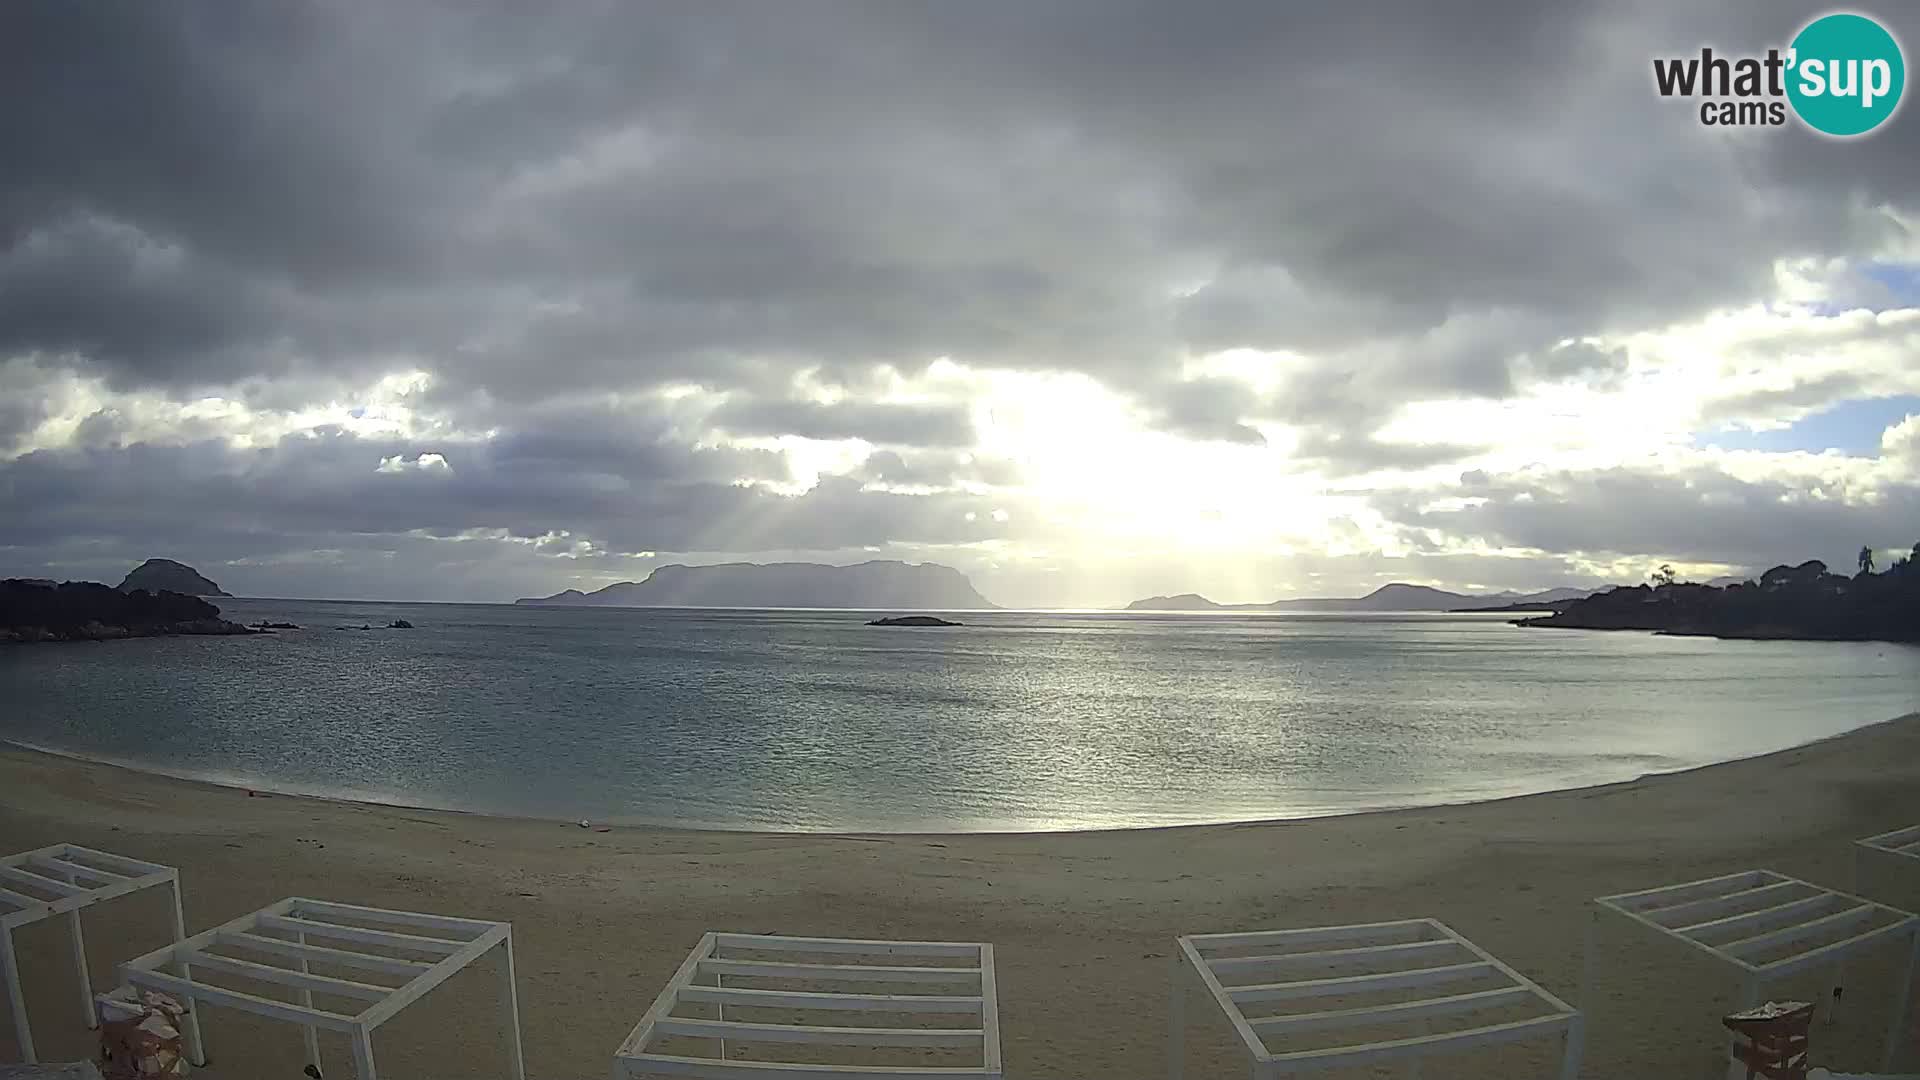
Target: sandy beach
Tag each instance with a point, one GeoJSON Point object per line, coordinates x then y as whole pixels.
{"type": "Point", "coordinates": [1082, 922]}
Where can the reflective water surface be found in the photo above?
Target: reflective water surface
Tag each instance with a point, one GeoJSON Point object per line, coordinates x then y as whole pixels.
{"type": "Point", "coordinates": [812, 720]}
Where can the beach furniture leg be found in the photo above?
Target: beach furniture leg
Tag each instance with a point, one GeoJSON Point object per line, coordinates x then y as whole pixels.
{"type": "Point", "coordinates": [723, 1016]}
{"type": "Point", "coordinates": [1902, 1002]}
{"type": "Point", "coordinates": [1839, 988]}
{"type": "Point", "coordinates": [510, 1002]}
{"type": "Point", "coordinates": [1749, 998]}
{"type": "Point", "coordinates": [363, 1055]}
{"type": "Point", "coordinates": [1840, 974]}
{"type": "Point", "coordinates": [310, 1033]}
{"type": "Point", "coordinates": [196, 1051]}
{"type": "Point", "coordinates": [87, 1009]}
{"type": "Point", "coordinates": [1576, 1044]}
{"type": "Point", "coordinates": [1588, 1005]}
{"type": "Point", "coordinates": [1176, 1019]}
{"type": "Point", "coordinates": [14, 999]}
{"type": "Point", "coordinates": [80, 969]}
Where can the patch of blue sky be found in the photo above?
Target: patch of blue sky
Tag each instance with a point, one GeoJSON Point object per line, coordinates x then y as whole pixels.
{"type": "Point", "coordinates": [1900, 279]}
{"type": "Point", "coordinates": [1824, 308]}
{"type": "Point", "coordinates": [1875, 286]}
{"type": "Point", "coordinates": [1851, 427]}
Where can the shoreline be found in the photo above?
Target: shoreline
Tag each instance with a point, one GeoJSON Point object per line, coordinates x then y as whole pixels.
{"type": "Point", "coordinates": [1540, 623]}
{"type": "Point", "coordinates": [1082, 922]}
{"type": "Point", "coordinates": [8, 745]}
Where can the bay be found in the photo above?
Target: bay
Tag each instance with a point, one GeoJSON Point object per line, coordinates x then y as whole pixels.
{"type": "Point", "coordinates": [810, 720]}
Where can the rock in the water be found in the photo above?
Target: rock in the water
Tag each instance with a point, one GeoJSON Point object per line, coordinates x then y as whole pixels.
{"type": "Point", "coordinates": [165, 575]}
{"type": "Point", "coordinates": [912, 620]}
{"type": "Point", "coordinates": [399, 624]}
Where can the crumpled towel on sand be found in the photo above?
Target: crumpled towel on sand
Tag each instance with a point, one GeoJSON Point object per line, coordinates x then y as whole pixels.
{"type": "Point", "coordinates": [140, 1040]}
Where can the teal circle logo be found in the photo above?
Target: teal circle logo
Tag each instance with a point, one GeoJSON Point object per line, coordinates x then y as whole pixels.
{"type": "Point", "coordinates": [1846, 74]}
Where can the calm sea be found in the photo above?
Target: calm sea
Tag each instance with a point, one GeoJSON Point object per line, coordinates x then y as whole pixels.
{"type": "Point", "coordinates": [809, 720]}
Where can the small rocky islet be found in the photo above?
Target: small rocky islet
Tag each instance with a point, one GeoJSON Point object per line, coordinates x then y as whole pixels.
{"type": "Point", "coordinates": [166, 575]}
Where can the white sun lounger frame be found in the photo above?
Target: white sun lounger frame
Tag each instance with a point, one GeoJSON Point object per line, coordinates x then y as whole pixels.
{"type": "Point", "coordinates": [972, 993]}
{"type": "Point", "coordinates": [1898, 847]}
{"type": "Point", "coordinates": [456, 943]}
{"type": "Point", "coordinates": [1698, 914]}
{"type": "Point", "coordinates": [1390, 954]}
{"type": "Point", "coordinates": [71, 878]}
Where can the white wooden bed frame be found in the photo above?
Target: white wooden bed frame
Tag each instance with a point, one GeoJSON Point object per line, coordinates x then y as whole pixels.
{"type": "Point", "coordinates": [1737, 917]}
{"type": "Point", "coordinates": [969, 987]}
{"type": "Point", "coordinates": [1392, 956]}
{"type": "Point", "coordinates": [1900, 847]}
{"type": "Point", "coordinates": [282, 931]}
{"type": "Point", "coordinates": [62, 879]}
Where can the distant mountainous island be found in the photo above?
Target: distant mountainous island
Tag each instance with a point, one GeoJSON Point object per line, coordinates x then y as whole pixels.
{"type": "Point", "coordinates": [868, 585]}
{"type": "Point", "coordinates": [1395, 597]}
{"type": "Point", "coordinates": [1550, 600]}
{"type": "Point", "coordinates": [165, 575]}
{"type": "Point", "coordinates": [1804, 603]}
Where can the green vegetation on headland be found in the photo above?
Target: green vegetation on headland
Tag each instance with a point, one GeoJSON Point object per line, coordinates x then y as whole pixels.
{"type": "Point", "coordinates": [1804, 602]}
{"type": "Point", "coordinates": [90, 611]}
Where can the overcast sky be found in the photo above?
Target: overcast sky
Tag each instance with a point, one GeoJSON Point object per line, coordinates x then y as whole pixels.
{"type": "Point", "coordinates": [1091, 300]}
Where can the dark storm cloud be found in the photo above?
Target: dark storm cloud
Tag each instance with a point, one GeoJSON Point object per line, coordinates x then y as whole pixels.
{"type": "Point", "coordinates": [935, 469]}
{"type": "Point", "coordinates": [273, 136]}
{"type": "Point", "coordinates": [900, 181]}
{"type": "Point", "coordinates": [1421, 200]}
{"type": "Point", "coordinates": [23, 404]}
{"type": "Point", "coordinates": [622, 496]}
{"type": "Point", "coordinates": [1579, 360]}
{"type": "Point", "coordinates": [1208, 409]}
{"type": "Point", "coordinates": [85, 288]}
